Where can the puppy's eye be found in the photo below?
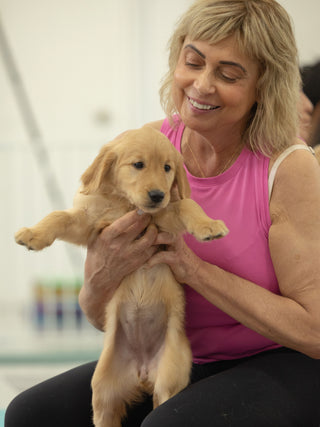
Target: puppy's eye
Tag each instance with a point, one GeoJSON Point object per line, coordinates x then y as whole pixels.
{"type": "Point", "coordinates": [167, 168]}
{"type": "Point", "coordinates": [138, 165]}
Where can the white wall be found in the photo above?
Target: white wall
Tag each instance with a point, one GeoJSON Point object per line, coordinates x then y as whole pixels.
{"type": "Point", "coordinates": [305, 15]}
{"type": "Point", "coordinates": [91, 70]}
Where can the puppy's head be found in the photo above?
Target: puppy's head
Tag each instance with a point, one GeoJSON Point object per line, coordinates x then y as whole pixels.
{"type": "Point", "coordinates": [142, 166]}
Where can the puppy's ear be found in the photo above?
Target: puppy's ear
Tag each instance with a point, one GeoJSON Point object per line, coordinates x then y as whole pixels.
{"type": "Point", "coordinates": [98, 171]}
{"type": "Point", "coordinates": [182, 180]}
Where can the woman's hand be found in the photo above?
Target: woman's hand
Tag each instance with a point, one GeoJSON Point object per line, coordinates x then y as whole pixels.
{"type": "Point", "coordinates": [183, 262]}
{"type": "Point", "coordinates": [117, 252]}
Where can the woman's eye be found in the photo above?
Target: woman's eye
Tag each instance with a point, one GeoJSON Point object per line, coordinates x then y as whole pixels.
{"type": "Point", "coordinates": [192, 64]}
{"type": "Point", "coordinates": [228, 76]}
{"type": "Point", "coordinates": [193, 60]}
{"type": "Point", "coordinates": [228, 79]}
{"type": "Point", "coordinates": [138, 165]}
{"type": "Point", "coordinates": [167, 168]}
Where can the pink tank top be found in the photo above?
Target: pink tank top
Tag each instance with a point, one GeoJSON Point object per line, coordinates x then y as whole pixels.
{"type": "Point", "coordinates": [239, 197]}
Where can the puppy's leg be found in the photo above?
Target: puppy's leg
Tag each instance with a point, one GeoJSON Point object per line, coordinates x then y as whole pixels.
{"type": "Point", "coordinates": [114, 385]}
{"type": "Point", "coordinates": [108, 409]}
{"type": "Point", "coordinates": [173, 370]}
{"type": "Point", "coordinates": [187, 215]}
{"type": "Point", "coordinates": [69, 225]}
{"type": "Point", "coordinates": [198, 223]}
{"type": "Point", "coordinates": [115, 382]}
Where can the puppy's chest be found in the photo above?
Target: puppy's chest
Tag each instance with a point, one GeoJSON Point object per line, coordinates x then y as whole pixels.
{"type": "Point", "coordinates": [146, 286]}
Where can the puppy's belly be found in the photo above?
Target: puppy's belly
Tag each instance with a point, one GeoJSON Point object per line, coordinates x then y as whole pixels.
{"type": "Point", "coordinates": [140, 336]}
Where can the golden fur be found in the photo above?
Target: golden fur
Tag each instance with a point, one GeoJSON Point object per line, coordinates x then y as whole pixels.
{"type": "Point", "coordinates": [146, 349]}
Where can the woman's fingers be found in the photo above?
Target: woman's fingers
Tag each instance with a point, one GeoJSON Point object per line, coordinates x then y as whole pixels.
{"type": "Point", "coordinates": [130, 225]}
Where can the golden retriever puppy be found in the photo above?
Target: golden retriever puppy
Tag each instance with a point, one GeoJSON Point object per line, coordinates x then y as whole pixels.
{"type": "Point", "coordinates": [146, 349]}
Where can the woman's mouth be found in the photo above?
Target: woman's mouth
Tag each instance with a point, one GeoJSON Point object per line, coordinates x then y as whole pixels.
{"type": "Point", "coordinates": [200, 106]}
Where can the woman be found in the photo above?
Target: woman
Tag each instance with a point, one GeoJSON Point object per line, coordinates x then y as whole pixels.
{"type": "Point", "coordinates": [306, 110]}
{"type": "Point", "coordinates": [311, 87]}
{"type": "Point", "coordinates": [253, 297]}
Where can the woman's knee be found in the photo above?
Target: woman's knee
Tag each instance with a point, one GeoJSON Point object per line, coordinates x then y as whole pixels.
{"type": "Point", "coordinates": [172, 413]}
{"type": "Point", "coordinates": [16, 414]}
{"type": "Point", "coordinates": [155, 419]}
{"type": "Point", "coordinates": [63, 400]}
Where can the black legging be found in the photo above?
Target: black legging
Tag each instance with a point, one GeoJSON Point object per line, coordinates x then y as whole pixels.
{"type": "Point", "coordinates": [279, 388]}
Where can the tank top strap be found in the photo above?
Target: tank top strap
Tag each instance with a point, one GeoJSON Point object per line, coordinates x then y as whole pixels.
{"type": "Point", "coordinates": [280, 159]}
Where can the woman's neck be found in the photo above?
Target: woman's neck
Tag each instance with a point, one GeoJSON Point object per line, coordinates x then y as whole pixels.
{"type": "Point", "coordinates": [205, 158]}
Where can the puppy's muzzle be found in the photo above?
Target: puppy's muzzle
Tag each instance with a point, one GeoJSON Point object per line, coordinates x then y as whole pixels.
{"type": "Point", "coordinates": [156, 196]}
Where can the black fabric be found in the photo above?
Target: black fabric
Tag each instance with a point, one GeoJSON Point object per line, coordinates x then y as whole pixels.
{"type": "Point", "coordinates": [62, 401]}
{"type": "Point", "coordinates": [278, 388]}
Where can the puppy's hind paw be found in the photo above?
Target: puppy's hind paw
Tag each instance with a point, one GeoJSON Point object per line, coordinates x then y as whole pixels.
{"type": "Point", "coordinates": [32, 240]}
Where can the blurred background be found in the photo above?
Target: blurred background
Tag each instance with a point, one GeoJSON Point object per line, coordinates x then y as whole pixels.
{"type": "Point", "coordinates": [73, 75]}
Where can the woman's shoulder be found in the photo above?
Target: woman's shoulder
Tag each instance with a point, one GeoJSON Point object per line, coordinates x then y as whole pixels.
{"type": "Point", "coordinates": [294, 171]}
{"type": "Point", "coordinates": [295, 145]}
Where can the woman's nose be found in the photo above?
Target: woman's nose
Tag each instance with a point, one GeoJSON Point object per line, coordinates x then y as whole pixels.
{"type": "Point", "coordinates": [204, 83]}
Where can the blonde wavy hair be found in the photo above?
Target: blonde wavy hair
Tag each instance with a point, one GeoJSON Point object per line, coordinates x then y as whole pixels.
{"type": "Point", "coordinates": [263, 31]}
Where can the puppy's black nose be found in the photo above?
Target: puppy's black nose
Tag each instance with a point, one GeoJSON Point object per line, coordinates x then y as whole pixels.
{"type": "Point", "coordinates": [156, 196]}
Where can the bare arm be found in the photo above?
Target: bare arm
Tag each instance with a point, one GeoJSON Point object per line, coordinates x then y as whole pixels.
{"type": "Point", "coordinates": [292, 319]}
{"type": "Point", "coordinates": [116, 253]}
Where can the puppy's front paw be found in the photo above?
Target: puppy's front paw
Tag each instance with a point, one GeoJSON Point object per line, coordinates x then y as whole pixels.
{"type": "Point", "coordinates": [33, 240]}
{"type": "Point", "coordinates": [213, 229]}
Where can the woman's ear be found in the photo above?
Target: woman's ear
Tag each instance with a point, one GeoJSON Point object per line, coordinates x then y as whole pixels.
{"type": "Point", "coordinates": [182, 180]}
{"type": "Point", "coordinates": [97, 173]}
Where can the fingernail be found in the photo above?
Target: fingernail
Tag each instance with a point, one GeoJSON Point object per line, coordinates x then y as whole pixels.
{"type": "Point", "coordinates": [140, 212]}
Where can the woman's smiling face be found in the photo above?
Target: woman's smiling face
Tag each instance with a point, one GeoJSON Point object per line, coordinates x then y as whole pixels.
{"type": "Point", "coordinates": [214, 86]}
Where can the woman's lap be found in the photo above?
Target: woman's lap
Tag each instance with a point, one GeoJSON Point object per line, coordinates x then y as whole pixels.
{"type": "Point", "coordinates": [279, 388]}
{"type": "Point", "coordinates": [274, 388]}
